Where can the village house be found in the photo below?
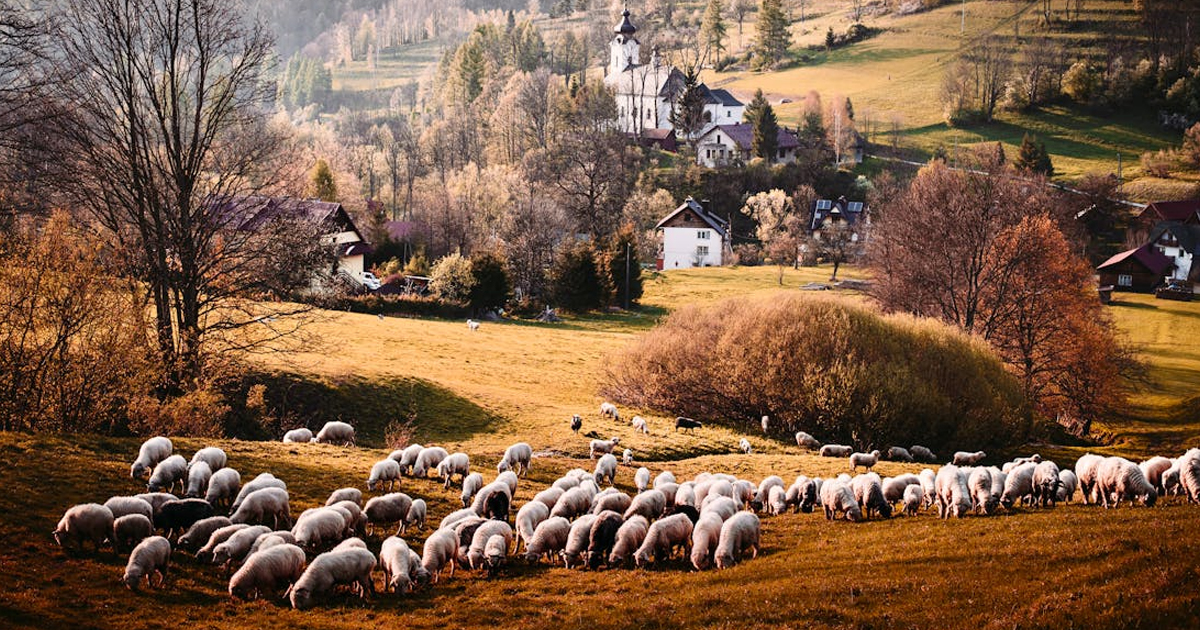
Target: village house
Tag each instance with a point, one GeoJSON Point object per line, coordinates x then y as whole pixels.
{"type": "Point", "coordinates": [829, 211]}
{"type": "Point", "coordinates": [1169, 233]}
{"type": "Point", "coordinates": [1138, 269]}
{"type": "Point", "coordinates": [731, 145]}
{"type": "Point", "coordinates": [691, 236]}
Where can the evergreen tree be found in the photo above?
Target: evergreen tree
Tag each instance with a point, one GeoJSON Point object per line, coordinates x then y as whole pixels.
{"type": "Point", "coordinates": [830, 39]}
{"type": "Point", "coordinates": [321, 184]}
{"type": "Point", "coordinates": [576, 283]}
{"type": "Point", "coordinates": [688, 114]}
{"type": "Point", "coordinates": [622, 256]}
{"type": "Point", "coordinates": [492, 286]}
{"type": "Point", "coordinates": [712, 29]}
{"type": "Point", "coordinates": [765, 125]}
{"type": "Point", "coordinates": [1033, 158]}
{"type": "Point", "coordinates": [774, 36]}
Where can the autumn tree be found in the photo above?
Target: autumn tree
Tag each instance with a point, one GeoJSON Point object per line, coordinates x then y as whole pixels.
{"type": "Point", "coordinates": [321, 182]}
{"type": "Point", "coordinates": [772, 211]}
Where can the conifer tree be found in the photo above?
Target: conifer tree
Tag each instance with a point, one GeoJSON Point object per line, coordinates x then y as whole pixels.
{"type": "Point", "coordinates": [765, 125]}
{"type": "Point", "coordinates": [774, 36]}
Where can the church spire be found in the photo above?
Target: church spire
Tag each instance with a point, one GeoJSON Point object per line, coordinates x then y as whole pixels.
{"type": "Point", "coordinates": [625, 27]}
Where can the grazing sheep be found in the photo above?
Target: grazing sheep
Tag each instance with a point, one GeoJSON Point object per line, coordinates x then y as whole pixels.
{"type": "Point", "coordinates": [922, 454]}
{"type": "Point", "coordinates": [866, 460]}
{"type": "Point", "coordinates": [963, 458]}
{"type": "Point", "coordinates": [384, 471]}
{"type": "Point", "coordinates": [528, 518]}
{"type": "Point", "coordinates": [662, 478]}
{"type": "Point", "coordinates": [129, 530]}
{"type": "Point", "coordinates": [606, 469]}
{"type": "Point", "coordinates": [777, 501]}
{"type": "Point", "coordinates": [198, 476]}
{"type": "Point", "coordinates": [893, 487]}
{"type": "Point", "coordinates": [837, 498]}
{"type": "Point", "coordinates": [200, 532]}
{"type": "Point", "coordinates": [237, 546]}
{"type": "Point", "coordinates": [706, 534]}
{"type": "Point", "coordinates": [641, 478]}
{"type": "Point", "coordinates": [470, 487]}
{"type": "Point", "coordinates": [802, 495]}
{"type": "Point", "coordinates": [744, 446]}
{"type": "Point", "coordinates": [913, 496]}
{"type": "Point", "coordinates": [510, 478]}
{"type": "Point", "coordinates": [608, 409]}
{"type": "Point", "coordinates": [387, 509]}
{"type": "Point", "coordinates": [602, 537]}
{"type": "Point", "coordinates": [319, 529]}
{"type": "Point", "coordinates": [220, 535]}
{"type": "Point", "coordinates": [616, 501]}
{"type": "Point", "coordinates": [741, 532]}
{"type": "Point", "coordinates": [999, 477]}
{"type": "Point", "coordinates": [571, 504]}
{"type": "Point", "coordinates": [687, 424]}
{"type": "Point", "coordinates": [805, 440]}
{"type": "Point", "coordinates": [408, 458]}
{"type": "Point", "coordinates": [303, 435]}
{"type": "Point", "coordinates": [576, 423]}
{"type": "Point", "coordinates": [899, 454]}
{"type": "Point", "coordinates": [868, 489]}
{"type": "Point", "coordinates": [260, 505]}
{"type": "Point", "coordinates": [1045, 483]}
{"type": "Point", "coordinates": [356, 521]}
{"type": "Point", "coordinates": [763, 494]}
{"type": "Point", "coordinates": [627, 457]}
{"type": "Point", "coordinates": [494, 501]}
{"type": "Point", "coordinates": [929, 485]}
{"type": "Point", "coordinates": [267, 571]}
{"type": "Point", "coordinates": [152, 451]}
{"type": "Point", "coordinates": [472, 325]}
{"type": "Point", "coordinates": [354, 495]}
{"type": "Point", "coordinates": [650, 504]}
{"type": "Point", "coordinates": [1085, 470]}
{"type": "Point", "coordinates": [516, 457]}
{"type": "Point", "coordinates": [1121, 480]}
{"type": "Point", "coordinates": [223, 487]}
{"type": "Point", "coordinates": [272, 539]}
{"type": "Point", "coordinates": [264, 480]}
{"type": "Point", "coordinates": [979, 482]}
{"type": "Point", "coordinates": [549, 538]}
{"type": "Point", "coordinates": [577, 540]}
{"type": "Point", "coordinates": [1172, 480]}
{"type": "Point", "coordinates": [602, 447]}
{"type": "Point", "coordinates": [477, 547]}
{"type": "Point", "coordinates": [441, 548]}
{"type": "Point", "coordinates": [1189, 475]}
{"type": "Point", "coordinates": [954, 497]}
{"type": "Point", "coordinates": [416, 516]}
{"type": "Point", "coordinates": [456, 464]}
{"type": "Point", "coordinates": [1018, 485]}
{"type": "Point", "coordinates": [722, 505]}
{"type": "Point", "coordinates": [168, 472]}
{"type": "Point", "coordinates": [175, 517]}
{"type": "Point", "coordinates": [121, 506]}
{"type": "Point", "coordinates": [428, 460]}
{"type": "Point", "coordinates": [628, 538]}
{"type": "Point", "coordinates": [151, 556]}
{"type": "Point", "coordinates": [639, 424]}
{"type": "Point", "coordinates": [395, 559]}
{"type": "Point", "coordinates": [156, 499]}
{"type": "Point", "coordinates": [457, 516]}
{"type": "Point", "coordinates": [211, 455]}
{"type": "Point", "coordinates": [495, 553]}
{"type": "Point", "coordinates": [335, 432]}
{"type": "Point", "coordinates": [1067, 485]}
{"type": "Point", "coordinates": [836, 450]}
{"type": "Point", "coordinates": [1153, 469]}
{"type": "Point", "coordinates": [352, 566]}
{"type": "Point", "coordinates": [663, 537]}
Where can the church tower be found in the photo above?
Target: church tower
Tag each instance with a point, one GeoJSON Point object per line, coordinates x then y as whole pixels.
{"type": "Point", "coordinates": [624, 50]}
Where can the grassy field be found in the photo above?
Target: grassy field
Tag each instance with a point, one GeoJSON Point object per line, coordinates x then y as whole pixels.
{"type": "Point", "coordinates": [1055, 568]}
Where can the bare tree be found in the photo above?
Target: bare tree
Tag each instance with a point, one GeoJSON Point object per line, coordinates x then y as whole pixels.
{"type": "Point", "coordinates": [993, 67]}
{"type": "Point", "coordinates": [740, 9]}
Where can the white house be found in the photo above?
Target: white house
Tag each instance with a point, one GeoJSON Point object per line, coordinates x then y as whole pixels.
{"type": "Point", "coordinates": [721, 108]}
{"type": "Point", "coordinates": [1181, 243]}
{"type": "Point", "coordinates": [731, 145]}
{"type": "Point", "coordinates": [692, 237]}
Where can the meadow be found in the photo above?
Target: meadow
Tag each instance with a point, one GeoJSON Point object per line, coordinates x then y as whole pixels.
{"type": "Point", "coordinates": [1069, 566]}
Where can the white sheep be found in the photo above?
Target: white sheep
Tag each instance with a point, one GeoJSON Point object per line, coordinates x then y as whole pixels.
{"type": "Point", "coordinates": [1045, 483]}
{"type": "Point", "coordinates": [893, 487]}
{"type": "Point", "coordinates": [802, 494]}
{"type": "Point", "coordinates": [509, 477]}
{"type": "Point", "coordinates": [954, 497]}
{"type": "Point", "coordinates": [129, 530]}
{"type": "Point", "coordinates": [335, 432]}
{"type": "Point", "coordinates": [741, 532]}
{"type": "Point", "coordinates": [650, 504]}
{"type": "Point", "coordinates": [685, 494]}
{"type": "Point", "coordinates": [157, 499]}
{"type": "Point", "coordinates": [455, 464]}
{"type": "Point", "coordinates": [761, 495]}
{"type": "Point", "coordinates": [627, 457]}
{"type": "Point", "coordinates": [198, 476]}
{"type": "Point", "coordinates": [745, 447]}
{"type": "Point", "coordinates": [777, 501]}
{"type": "Point", "coordinates": [263, 480]}
{"type": "Point", "coordinates": [472, 325]}
{"type": "Point", "coordinates": [1085, 470]}
{"type": "Point", "coordinates": [470, 486]}
{"type": "Point", "coordinates": [628, 538]}
{"type": "Point", "coordinates": [602, 447]}
{"type": "Point", "coordinates": [394, 559]}
{"type": "Point", "coordinates": [566, 482]}
{"type": "Point", "coordinates": [722, 505]}
{"type": "Point", "coordinates": [528, 518]}
{"type": "Point", "coordinates": [663, 538]}
{"type": "Point", "coordinates": [303, 435]}
{"type": "Point", "coordinates": [272, 539]}
{"type": "Point", "coordinates": [455, 517]}
{"type": "Point", "coordinates": [1152, 470]}
{"type": "Point", "coordinates": [663, 477]}
{"type": "Point", "coordinates": [706, 534]}
{"type": "Point", "coordinates": [85, 522]}
{"type": "Point", "coordinates": [267, 571]}
{"type": "Point", "coordinates": [353, 495]}
{"type": "Point", "coordinates": [384, 471]}
{"type": "Point", "coordinates": [610, 410]}
{"type": "Point", "coordinates": [616, 501]}
{"type": "Point", "coordinates": [517, 458]}
{"type": "Point", "coordinates": [223, 487]}
{"type": "Point", "coordinates": [356, 520]}
{"type": "Point", "coordinates": [922, 454]}
{"type": "Point", "coordinates": [407, 458]}
{"type": "Point", "coordinates": [416, 516]}
{"type": "Point", "coordinates": [200, 531]}
{"type": "Point", "coordinates": [262, 504]}
{"type": "Point", "coordinates": [352, 566]}
{"type": "Point", "coordinates": [440, 549]}
{"type": "Point", "coordinates": [837, 498]}
{"type": "Point", "coordinates": [606, 469]}
{"type": "Point", "coordinates": [548, 540]}
{"type": "Point", "coordinates": [979, 482]}
{"type": "Point", "coordinates": [150, 454]}
{"type": "Point", "coordinates": [1068, 483]}
{"type": "Point", "coordinates": [476, 552]}
{"type": "Point", "coordinates": [866, 460]}
{"type": "Point", "coordinates": [168, 472]}
{"type": "Point", "coordinates": [899, 454]}
{"type": "Point", "coordinates": [868, 491]}
{"type": "Point", "coordinates": [211, 455]}
{"type": "Point", "coordinates": [963, 458]}
{"type": "Point", "coordinates": [1121, 480]}
{"type": "Point", "coordinates": [387, 509]}
{"type": "Point", "coordinates": [639, 424]}
{"type": "Point", "coordinates": [836, 450]}
{"type": "Point", "coordinates": [1018, 485]}
{"type": "Point", "coordinates": [572, 503]}
{"type": "Point", "coordinates": [495, 552]}
{"type": "Point", "coordinates": [151, 556]}
{"type": "Point", "coordinates": [641, 478]}
{"type": "Point", "coordinates": [122, 506]}
{"type": "Point", "coordinates": [319, 529]}
{"type": "Point", "coordinates": [220, 535]}
{"type": "Point", "coordinates": [1189, 474]}
{"type": "Point", "coordinates": [350, 543]}
{"type": "Point", "coordinates": [428, 460]}
{"type": "Point", "coordinates": [913, 497]}
{"type": "Point", "coordinates": [577, 540]}
{"type": "Point", "coordinates": [806, 440]}
{"type": "Point", "coordinates": [235, 548]}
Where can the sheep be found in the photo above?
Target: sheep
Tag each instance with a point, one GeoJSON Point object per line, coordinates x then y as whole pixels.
{"type": "Point", "coordinates": [954, 497]}
{"type": "Point", "coordinates": [866, 460]}
{"type": "Point", "coordinates": [608, 409]}
{"type": "Point", "coordinates": [356, 520]}
{"type": "Point", "coordinates": [893, 487]}
{"type": "Point", "coordinates": [156, 499]}
{"type": "Point", "coordinates": [766, 424]}
{"type": "Point", "coordinates": [837, 498]}
{"type": "Point", "coordinates": [868, 491]}
{"type": "Point", "coordinates": [572, 503]}
{"type": "Point", "coordinates": [220, 535]}
{"type": "Point", "coordinates": [1172, 481]}
{"type": "Point", "coordinates": [639, 424]}
{"type": "Point", "coordinates": [763, 494]}
{"type": "Point", "coordinates": [899, 454]}
{"type": "Point", "coordinates": [724, 506]}
{"type": "Point", "coordinates": [627, 457]}
{"type": "Point", "coordinates": [663, 477]}
{"type": "Point", "coordinates": [529, 517]}
{"type": "Point", "coordinates": [395, 559]}
{"type": "Point", "coordinates": [602, 447]}
{"type": "Point", "coordinates": [663, 537]}
{"type": "Point", "coordinates": [616, 501]}
{"type": "Point", "coordinates": [1189, 475]}
{"type": "Point", "coordinates": [167, 473]}
{"type": "Point", "coordinates": [476, 552]}
{"type": "Point", "coordinates": [456, 464]}
{"type": "Point", "coordinates": [806, 440]}
{"type": "Point", "coordinates": [449, 521]}
{"type": "Point", "coordinates": [963, 458]}
{"type": "Point", "coordinates": [198, 476]}
{"type": "Point", "coordinates": [999, 478]}
{"type": "Point", "coordinates": [922, 454]}
{"type": "Point", "coordinates": [1045, 483]}
{"type": "Point", "coordinates": [913, 497]}
{"type": "Point", "coordinates": [1085, 470]}
{"type": "Point", "coordinates": [335, 432]}
{"type": "Point", "coordinates": [745, 447]}
{"type": "Point", "coordinates": [516, 457]}
{"type": "Point", "coordinates": [802, 495]}
{"type": "Point", "coordinates": [777, 501]}
{"type": "Point", "coordinates": [577, 540]}
{"type": "Point", "coordinates": [1018, 485]}
{"type": "Point", "coordinates": [129, 530]}
{"type": "Point", "coordinates": [979, 482]}
{"type": "Point", "coordinates": [495, 552]}
{"type": "Point", "coordinates": [510, 478]}
{"type": "Point", "coordinates": [741, 532]}
{"type": "Point", "coordinates": [319, 529]}
{"type": "Point", "coordinates": [650, 504]}
{"type": "Point", "coordinates": [576, 423]}
{"type": "Point", "coordinates": [549, 538]}
{"type": "Point", "coordinates": [237, 546]}
{"type": "Point", "coordinates": [428, 460]}
{"type": "Point", "coordinates": [416, 516]}
{"type": "Point", "coordinates": [223, 487]}
{"type": "Point", "coordinates": [1068, 482]}
{"type": "Point", "coordinates": [1153, 469]}
{"type": "Point", "coordinates": [835, 450]}
{"type": "Point", "coordinates": [266, 571]}
{"type": "Point", "coordinates": [386, 509]}
{"type": "Point", "coordinates": [200, 531]}
{"type": "Point", "coordinates": [177, 516]}
{"type": "Point", "coordinates": [262, 504]}
{"type": "Point", "coordinates": [151, 452]}
{"type": "Point", "coordinates": [384, 471]}
{"type": "Point", "coordinates": [706, 533]}
{"type": "Point", "coordinates": [303, 435]}
{"type": "Point", "coordinates": [408, 458]}
{"type": "Point", "coordinates": [440, 549]}
{"type": "Point", "coordinates": [602, 537]}
{"type": "Point", "coordinates": [1120, 479]}
{"type": "Point", "coordinates": [606, 469]}
{"type": "Point", "coordinates": [122, 506]}
{"type": "Point", "coordinates": [327, 570]}
{"type": "Point", "coordinates": [687, 424]}
{"type": "Point", "coordinates": [720, 487]}
{"type": "Point", "coordinates": [272, 539]}
{"type": "Point", "coordinates": [211, 455]}
{"type": "Point", "coordinates": [151, 556]}
{"type": "Point", "coordinates": [263, 480]}
{"type": "Point", "coordinates": [470, 486]}
{"type": "Point", "coordinates": [494, 501]}
{"type": "Point", "coordinates": [345, 494]}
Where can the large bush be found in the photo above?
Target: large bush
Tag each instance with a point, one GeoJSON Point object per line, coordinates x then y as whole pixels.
{"type": "Point", "coordinates": [451, 278]}
{"type": "Point", "coordinates": [843, 373]}
{"type": "Point", "coordinates": [577, 281]}
{"type": "Point", "coordinates": [491, 287]}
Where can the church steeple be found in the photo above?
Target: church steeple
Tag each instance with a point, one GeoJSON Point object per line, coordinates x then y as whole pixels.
{"type": "Point", "coordinates": [624, 50]}
{"type": "Point", "coordinates": [625, 27]}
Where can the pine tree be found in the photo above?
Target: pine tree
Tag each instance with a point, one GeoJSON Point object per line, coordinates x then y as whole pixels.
{"type": "Point", "coordinates": [576, 281]}
{"type": "Point", "coordinates": [321, 183]}
{"type": "Point", "coordinates": [624, 245]}
{"type": "Point", "coordinates": [1032, 157]}
{"type": "Point", "coordinates": [712, 29]}
{"type": "Point", "coordinates": [765, 125]}
{"type": "Point", "coordinates": [492, 286]}
{"type": "Point", "coordinates": [687, 117]}
{"type": "Point", "coordinates": [774, 36]}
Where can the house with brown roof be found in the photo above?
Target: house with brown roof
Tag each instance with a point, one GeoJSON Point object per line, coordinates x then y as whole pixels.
{"type": "Point", "coordinates": [731, 145]}
{"type": "Point", "coordinates": [691, 236]}
{"type": "Point", "coordinates": [1139, 269]}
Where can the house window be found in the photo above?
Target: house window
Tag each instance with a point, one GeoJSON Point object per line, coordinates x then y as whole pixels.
{"type": "Point", "coordinates": [708, 153]}
{"type": "Point", "coordinates": [702, 234]}
{"type": "Point", "coordinates": [781, 152]}
{"type": "Point", "coordinates": [1124, 280]}
{"type": "Point", "coordinates": [702, 250]}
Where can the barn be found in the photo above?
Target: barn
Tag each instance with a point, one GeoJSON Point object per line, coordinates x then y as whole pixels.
{"type": "Point", "coordinates": [1138, 269]}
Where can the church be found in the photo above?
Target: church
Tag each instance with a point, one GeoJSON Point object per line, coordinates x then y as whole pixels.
{"type": "Point", "coordinates": [646, 92]}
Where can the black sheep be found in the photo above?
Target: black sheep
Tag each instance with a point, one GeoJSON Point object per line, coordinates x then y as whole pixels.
{"type": "Point", "coordinates": [602, 537]}
{"type": "Point", "coordinates": [177, 516]}
{"type": "Point", "coordinates": [687, 424]}
{"type": "Point", "coordinates": [576, 423]}
{"type": "Point", "coordinates": [497, 506]}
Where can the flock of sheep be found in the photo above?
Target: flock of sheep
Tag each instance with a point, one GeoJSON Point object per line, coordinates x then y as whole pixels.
{"type": "Point", "coordinates": [580, 519]}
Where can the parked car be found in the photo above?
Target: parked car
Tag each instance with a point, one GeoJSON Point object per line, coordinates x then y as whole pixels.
{"type": "Point", "coordinates": [370, 281]}
{"type": "Point", "coordinates": [1175, 290]}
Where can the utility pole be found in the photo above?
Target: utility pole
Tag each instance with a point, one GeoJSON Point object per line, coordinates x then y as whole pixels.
{"type": "Point", "coordinates": [1119, 177]}
{"type": "Point", "coordinates": [964, 18]}
{"type": "Point", "coordinates": [627, 250]}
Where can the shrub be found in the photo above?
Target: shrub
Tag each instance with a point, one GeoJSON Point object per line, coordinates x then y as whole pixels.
{"type": "Point", "coordinates": [1159, 163]}
{"type": "Point", "coordinates": [490, 288]}
{"type": "Point", "coordinates": [451, 278]}
{"type": "Point", "coordinates": [576, 283]}
{"type": "Point", "coordinates": [844, 373]}
{"type": "Point", "coordinates": [748, 254]}
{"type": "Point", "coordinates": [197, 413]}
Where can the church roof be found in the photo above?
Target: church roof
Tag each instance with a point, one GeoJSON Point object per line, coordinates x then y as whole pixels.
{"type": "Point", "coordinates": [625, 27]}
{"type": "Point", "coordinates": [719, 97]}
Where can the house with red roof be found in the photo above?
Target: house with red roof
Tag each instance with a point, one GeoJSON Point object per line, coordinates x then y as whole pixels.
{"type": "Point", "coordinates": [731, 145]}
{"type": "Point", "coordinates": [1139, 269]}
{"type": "Point", "coordinates": [1171, 230]}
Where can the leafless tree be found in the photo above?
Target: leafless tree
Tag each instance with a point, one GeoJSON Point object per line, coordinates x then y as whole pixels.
{"type": "Point", "coordinates": [993, 66]}
{"type": "Point", "coordinates": [740, 9]}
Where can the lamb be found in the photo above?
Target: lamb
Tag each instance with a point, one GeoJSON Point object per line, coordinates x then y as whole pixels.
{"type": "Point", "coordinates": [706, 534]}
{"type": "Point", "coordinates": [416, 516]}
{"type": "Point", "coordinates": [608, 409]}
{"type": "Point", "coordinates": [1068, 482]}
{"type": "Point", "coordinates": [913, 496]}
{"type": "Point", "coordinates": [836, 498]}
{"type": "Point", "coordinates": [572, 503]}
{"type": "Point", "coordinates": [866, 460]}
{"type": "Point", "coordinates": [427, 460]}
{"type": "Point", "coordinates": [576, 423]}
{"type": "Point", "coordinates": [335, 432]}
{"type": "Point", "coordinates": [922, 454]}
{"type": "Point", "coordinates": [954, 497]}
{"type": "Point", "coordinates": [470, 487]}
{"type": "Point", "coordinates": [319, 529]}
{"type": "Point", "coordinates": [724, 506]}
{"type": "Point", "coordinates": [263, 504]}
{"type": "Point", "coordinates": [1153, 469]}
{"type": "Point", "coordinates": [387, 509]}
{"type": "Point", "coordinates": [741, 532]}
{"type": "Point", "coordinates": [353, 495]}
{"type": "Point", "coordinates": [218, 536]}
{"type": "Point", "coordinates": [175, 517]}
{"type": "Point", "coordinates": [200, 531]}
{"type": "Point", "coordinates": [1018, 485]}
{"type": "Point", "coordinates": [899, 454]}
{"type": "Point", "coordinates": [395, 559]}
{"type": "Point", "coordinates": [549, 538]}
{"type": "Point", "coordinates": [577, 540]}
{"type": "Point", "coordinates": [167, 473]}
{"type": "Point", "coordinates": [408, 457]}
{"type": "Point", "coordinates": [122, 506]}
{"type": "Point", "coordinates": [223, 487]}
{"type": "Point", "coordinates": [616, 501]}
{"type": "Point", "coordinates": [151, 556]}
{"type": "Point", "coordinates": [528, 518]}
{"type": "Point", "coordinates": [151, 452]}
{"type": "Point", "coordinates": [303, 435]}
{"type": "Point", "coordinates": [802, 494]}
{"type": "Point", "coordinates": [237, 546]}
{"type": "Point", "coordinates": [198, 476]}
{"type": "Point", "coordinates": [602, 537]}
{"type": "Point", "coordinates": [777, 501]}
{"type": "Point", "coordinates": [639, 424]}
{"type": "Point", "coordinates": [494, 501]}
{"type": "Point", "coordinates": [1045, 483]}
{"type": "Point", "coordinates": [745, 447]}
{"type": "Point", "coordinates": [868, 489]}
{"type": "Point", "coordinates": [606, 469]}
{"type": "Point", "coordinates": [211, 455]}
{"type": "Point", "coordinates": [266, 571]}
{"type": "Point", "coordinates": [650, 504]}
{"type": "Point", "coordinates": [476, 552]}
{"type": "Point", "coordinates": [1085, 470]}
{"type": "Point", "coordinates": [687, 424]}
{"type": "Point", "coordinates": [627, 457]}
{"type": "Point", "coordinates": [516, 457]}
{"type": "Point", "coordinates": [602, 447]}
{"type": "Point", "coordinates": [836, 450]}
{"type": "Point", "coordinates": [456, 464]}
{"type": "Point", "coordinates": [641, 478]}
{"type": "Point", "coordinates": [963, 458]}
{"type": "Point", "coordinates": [1120, 479]}
{"type": "Point", "coordinates": [663, 537]}
{"type": "Point", "coordinates": [384, 471]}
{"type": "Point", "coordinates": [327, 570]}
{"type": "Point", "coordinates": [980, 485]}
{"type": "Point", "coordinates": [264, 480]}
{"type": "Point", "coordinates": [129, 530]}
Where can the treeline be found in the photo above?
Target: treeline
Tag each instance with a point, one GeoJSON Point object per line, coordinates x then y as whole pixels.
{"type": "Point", "coordinates": [305, 81]}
